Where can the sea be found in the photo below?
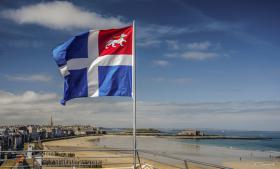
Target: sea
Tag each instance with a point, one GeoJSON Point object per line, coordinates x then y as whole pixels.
{"type": "Point", "coordinates": [208, 150]}
{"type": "Point", "coordinates": [271, 144]}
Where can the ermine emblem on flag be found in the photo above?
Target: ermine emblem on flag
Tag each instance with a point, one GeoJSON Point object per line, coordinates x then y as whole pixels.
{"type": "Point", "coordinates": [97, 63]}
{"type": "Point", "coordinates": [116, 41]}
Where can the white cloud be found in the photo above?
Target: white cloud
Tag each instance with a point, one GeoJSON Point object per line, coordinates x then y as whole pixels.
{"type": "Point", "coordinates": [151, 35]}
{"type": "Point", "coordinates": [163, 33]}
{"type": "Point", "coordinates": [204, 45]}
{"type": "Point", "coordinates": [32, 107]}
{"type": "Point", "coordinates": [198, 55]}
{"type": "Point", "coordinates": [60, 15]}
{"type": "Point", "coordinates": [173, 44]}
{"type": "Point", "coordinates": [29, 78]}
{"type": "Point", "coordinates": [199, 45]}
{"type": "Point", "coordinates": [193, 55]}
{"type": "Point", "coordinates": [179, 80]}
{"type": "Point", "coordinates": [161, 62]}
{"type": "Point", "coordinates": [26, 97]}
{"type": "Point", "coordinates": [149, 43]}
{"type": "Point", "coordinates": [193, 51]}
{"type": "Point", "coordinates": [152, 30]}
{"type": "Point", "coordinates": [173, 55]}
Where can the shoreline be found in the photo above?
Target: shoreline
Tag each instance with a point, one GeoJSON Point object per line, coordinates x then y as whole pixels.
{"type": "Point", "coordinates": [196, 137]}
{"type": "Point", "coordinates": [85, 143]}
{"type": "Point", "coordinates": [201, 144]}
{"type": "Point", "coordinates": [93, 141]}
{"type": "Point", "coordinates": [216, 137]}
{"type": "Point", "coordinates": [219, 147]}
{"type": "Point", "coordinates": [233, 147]}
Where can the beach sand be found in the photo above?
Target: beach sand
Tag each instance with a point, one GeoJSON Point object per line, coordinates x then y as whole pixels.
{"type": "Point", "coordinates": [111, 158]}
{"type": "Point", "coordinates": [253, 165]}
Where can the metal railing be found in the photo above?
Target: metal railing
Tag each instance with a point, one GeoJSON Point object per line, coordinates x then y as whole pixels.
{"type": "Point", "coordinates": [142, 157]}
{"type": "Point", "coordinates": [186, 161]}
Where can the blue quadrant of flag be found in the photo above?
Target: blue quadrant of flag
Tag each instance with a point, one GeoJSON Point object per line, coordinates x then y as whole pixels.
{"type": "Point", "coordinates": [115, 80]}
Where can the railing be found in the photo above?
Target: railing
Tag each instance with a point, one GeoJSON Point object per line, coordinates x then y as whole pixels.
{"type": "Point", "coordinates": [102, 158]}
{"type": "Point", "coordinates": [185, 161]}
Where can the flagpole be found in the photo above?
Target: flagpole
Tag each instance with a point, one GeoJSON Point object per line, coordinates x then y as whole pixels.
{"type": "Point", "coordinates": [134, 97]}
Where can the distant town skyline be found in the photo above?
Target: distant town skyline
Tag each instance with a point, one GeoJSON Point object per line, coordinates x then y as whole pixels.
{"type": "Point", "coordinates": [16, 137]}
{"type": "Point", "coordinates": [200, 64]}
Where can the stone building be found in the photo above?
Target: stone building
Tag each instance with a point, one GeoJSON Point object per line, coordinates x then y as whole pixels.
{"type": "Point", "coordinates": [190, 132]}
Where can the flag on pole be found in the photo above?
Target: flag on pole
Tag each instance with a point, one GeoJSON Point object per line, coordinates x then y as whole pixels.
{"type": "Point", "coordinates": [97, 63]}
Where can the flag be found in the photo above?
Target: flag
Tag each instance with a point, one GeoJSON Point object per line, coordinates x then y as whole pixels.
{"type": "Point", "coordinates": [96, 63]}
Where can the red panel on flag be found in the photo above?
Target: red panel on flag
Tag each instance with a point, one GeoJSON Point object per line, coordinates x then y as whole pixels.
{"type": "Point", "coordinates": [115, 41]}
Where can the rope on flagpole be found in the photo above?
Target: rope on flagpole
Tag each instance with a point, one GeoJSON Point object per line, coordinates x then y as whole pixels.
{"type": "Point", "coordinates": [134, 98]}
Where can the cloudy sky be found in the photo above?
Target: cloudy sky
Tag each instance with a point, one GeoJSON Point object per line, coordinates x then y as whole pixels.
{"type": "Point", "coordinates": [200, 64]}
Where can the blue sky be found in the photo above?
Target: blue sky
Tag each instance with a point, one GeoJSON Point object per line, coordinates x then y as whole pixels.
{"type": "Point", "coordinates": [222, 53]}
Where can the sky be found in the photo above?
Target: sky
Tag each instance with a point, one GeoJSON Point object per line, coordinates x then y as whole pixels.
{"type": "Point", "coordinates": [200, 64]}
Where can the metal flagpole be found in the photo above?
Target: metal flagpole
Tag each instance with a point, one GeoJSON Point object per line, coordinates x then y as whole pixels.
{"type": "Point", "coordinates": [134, 97]}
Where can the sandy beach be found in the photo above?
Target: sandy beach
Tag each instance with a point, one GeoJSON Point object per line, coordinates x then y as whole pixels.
{"type": "Point", "coordinates": [109, 158]}
{"type": "Point", "coordinates": [253, 165]}
{"type": "Point", "coordinates": [117, 159]}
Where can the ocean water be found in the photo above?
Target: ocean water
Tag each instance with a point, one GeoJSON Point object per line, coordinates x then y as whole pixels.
{"type": "Point", "coordinates": [272, 144]}
{"type": "Point", "coordinates": [186, 150]}
{"type": "Point", "coordinates": [208, 150]}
